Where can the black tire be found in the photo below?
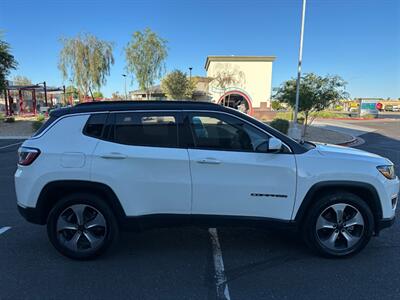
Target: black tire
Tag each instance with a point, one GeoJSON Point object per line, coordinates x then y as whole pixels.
{"type": "Point", "coordinates": [313, 239]}
{"type": "Point", "coordinates": [93, 205]}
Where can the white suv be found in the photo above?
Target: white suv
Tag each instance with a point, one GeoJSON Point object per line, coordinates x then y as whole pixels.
{"type": "Point", "coordinates": [98, 168]}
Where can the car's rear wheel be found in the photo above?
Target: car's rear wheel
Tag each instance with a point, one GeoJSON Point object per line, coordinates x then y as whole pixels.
{"type": "Point", "coordinates": [81, 226]}
{"type": "Point", "coordinates": [338, 225]}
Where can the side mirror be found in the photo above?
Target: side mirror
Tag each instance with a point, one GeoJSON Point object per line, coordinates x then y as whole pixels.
{"type": "Point", "coordinates": [274, 145]}
{"type": "Point", "coordinates": [270, 146]}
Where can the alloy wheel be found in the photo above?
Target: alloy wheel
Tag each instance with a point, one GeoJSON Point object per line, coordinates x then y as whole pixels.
{"type": "Point", "coordinates": [339, 227]}
{"type": "Point", "coordinates": [81, 227]}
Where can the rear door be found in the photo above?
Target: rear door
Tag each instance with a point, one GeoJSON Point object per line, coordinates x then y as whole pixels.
{"type": "Point", "coordinates": [229, 175]}
{"type": "Point", "coordinates": [142, 162]}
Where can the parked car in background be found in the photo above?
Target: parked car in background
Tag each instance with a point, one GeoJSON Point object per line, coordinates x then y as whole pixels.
{"type": "Point", "coordinates": [388, 107]}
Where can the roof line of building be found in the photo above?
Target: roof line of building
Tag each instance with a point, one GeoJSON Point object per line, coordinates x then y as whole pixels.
{"type": "Point", "coordinates": [237, 58]}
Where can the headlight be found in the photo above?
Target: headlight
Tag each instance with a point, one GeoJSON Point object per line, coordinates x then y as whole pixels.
{"type": "Point", "coordinates": [387, 171]}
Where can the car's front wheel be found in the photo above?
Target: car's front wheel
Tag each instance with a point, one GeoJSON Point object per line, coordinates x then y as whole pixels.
{"type": "Point", "coordinates": [338, 225]}
{"type": "Point", "coordinates": [81, 226]}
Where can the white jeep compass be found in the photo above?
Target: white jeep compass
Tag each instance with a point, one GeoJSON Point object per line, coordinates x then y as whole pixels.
{"type": "Point", "coordinates": [98, 168]}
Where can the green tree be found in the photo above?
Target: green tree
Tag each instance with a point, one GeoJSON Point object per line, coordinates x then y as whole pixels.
{"type": "Point", "coordinates": [176, 85]}
{"type": "Point", "coordinates": [86, 61]}
{"type": "Point", "coordinates": [98, 95]}
{"type": "Point", "coordinates": [21, 80]}
{"type": "Point", "coordinates": [145, 58]}
{"type": "Point", "coordinates": [275, 105]}
{"type": "Point", "coordinates": [72, 91]}
{"type": "Point", "coordinates": [7, 63]}
{"type": "Point", "coordinates": [316, 93]}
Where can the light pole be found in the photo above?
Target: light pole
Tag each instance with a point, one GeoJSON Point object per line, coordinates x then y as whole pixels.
{"type": "Point", "coordinates": [190, 73]}
{"type": "Point", "coordinates": [295, 130]}
{"type": "Point", "coordinates": [126, 95]}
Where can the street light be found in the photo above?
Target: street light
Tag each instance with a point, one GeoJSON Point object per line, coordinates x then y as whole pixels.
{"type": "Point", "coordinates": [294, 131]}
{"type": "Point", "coordinates": [44, 90]}
{"type": "Point", "coordinates": [126, 95]}
{"type": "Point", "coordinates": [190, 73]}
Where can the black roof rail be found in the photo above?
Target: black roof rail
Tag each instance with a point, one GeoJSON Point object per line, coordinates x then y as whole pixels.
{"type": "Point", "coordinates": [145, 102]}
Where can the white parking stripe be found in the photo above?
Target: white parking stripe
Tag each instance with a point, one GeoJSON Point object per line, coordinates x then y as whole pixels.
{"type": "Point", "coordinates": [222, 286]}
{"type": "Point", "coordinates": [4, 229]}
{"type": "Point", "coordinates": [3, 147]}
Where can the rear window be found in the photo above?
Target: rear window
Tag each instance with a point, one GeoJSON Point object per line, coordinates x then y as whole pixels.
{"type": "Point", "coordinates": [45, 125]}
{"type": "Point", "coordinates": [146, 129]}
{"type": "Point", "coordinates": [94, 125]}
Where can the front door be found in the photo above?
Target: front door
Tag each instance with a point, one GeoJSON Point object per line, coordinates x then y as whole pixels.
{"type": "Point", "coordinates": [229, 175]}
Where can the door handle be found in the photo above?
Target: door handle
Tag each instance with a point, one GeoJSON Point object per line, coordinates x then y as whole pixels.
{"type": "Point", "coordinates": [113, 155]}
{"type": "Point", "coordinates": [210, 161]}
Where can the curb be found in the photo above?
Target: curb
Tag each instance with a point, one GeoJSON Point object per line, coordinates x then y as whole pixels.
{"type": "Point", "coordinates": [359, 119]}
{"type": "Point", "coordinates": [355, 141]}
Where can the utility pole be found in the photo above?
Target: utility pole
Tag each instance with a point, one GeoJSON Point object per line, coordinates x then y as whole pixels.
{"type": "Point", "coordinates": [45, 92]}
{"type": "Point", "coordinates": [295, 130]}
{"type": "Point", "coordinates": [126, 94]}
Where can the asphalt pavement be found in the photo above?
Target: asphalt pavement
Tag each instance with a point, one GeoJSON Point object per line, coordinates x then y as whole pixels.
{"type": "Point", "coordinates": [180, 263]}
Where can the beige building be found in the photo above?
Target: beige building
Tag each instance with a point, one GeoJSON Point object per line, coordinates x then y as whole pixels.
{"type": "Point", "coordinates": [242, 82]}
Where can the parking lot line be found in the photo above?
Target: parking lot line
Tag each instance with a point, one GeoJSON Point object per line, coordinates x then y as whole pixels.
{"type": "Point", "coordinates": [4, 229]}
{"type": "Point", "coordinates": [10, 145]}
{"type": "Point", "coordinates": [220, 277]}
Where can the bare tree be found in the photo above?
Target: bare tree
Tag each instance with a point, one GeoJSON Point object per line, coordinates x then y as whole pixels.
{"type": "Point", "coordinates": [21, 80]}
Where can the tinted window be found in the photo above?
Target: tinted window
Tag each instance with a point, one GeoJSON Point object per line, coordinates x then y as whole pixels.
{"type": "Point", "coordinates": [222, 132]}
{"type": "Point", "coordinates": [95, 124]}
{"type": "Point", "coordinates": [146, 129]}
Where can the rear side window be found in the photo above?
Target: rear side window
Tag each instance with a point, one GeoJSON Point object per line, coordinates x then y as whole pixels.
{"type": "Point", "coordinates": [94, 125]}
{"type": "Point", "coordinates": [146, 129]}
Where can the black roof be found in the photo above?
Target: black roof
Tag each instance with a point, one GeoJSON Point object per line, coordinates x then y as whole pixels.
{"type": "Point", "coordinates": [100, 106]}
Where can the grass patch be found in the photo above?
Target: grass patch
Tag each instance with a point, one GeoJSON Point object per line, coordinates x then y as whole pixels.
{"type": "Point", "coordinates": [280, 124]}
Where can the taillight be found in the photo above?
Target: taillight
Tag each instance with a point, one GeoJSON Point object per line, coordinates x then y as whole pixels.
{"type": "Point", "coordinates": [26, 155]}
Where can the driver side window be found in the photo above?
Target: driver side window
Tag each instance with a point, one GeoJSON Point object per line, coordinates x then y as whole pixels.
{"type": "Point", "coordinates": [223, 132]}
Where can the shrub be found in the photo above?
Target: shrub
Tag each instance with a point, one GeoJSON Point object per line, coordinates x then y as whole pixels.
{"type": "Point", "coordinates": [9, 120]}
{"type": "Point", "coordinates": [40, 118]}
{"type": "Point", "coordinates": [280, 124]}
{"type": "Point", "coordinates": [2, 117]}
{"type": "Point", "coordinates": [276, 105]}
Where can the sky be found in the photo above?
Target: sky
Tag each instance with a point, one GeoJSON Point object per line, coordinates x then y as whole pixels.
{"type": "Point", "coordinates": [358, 40]}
